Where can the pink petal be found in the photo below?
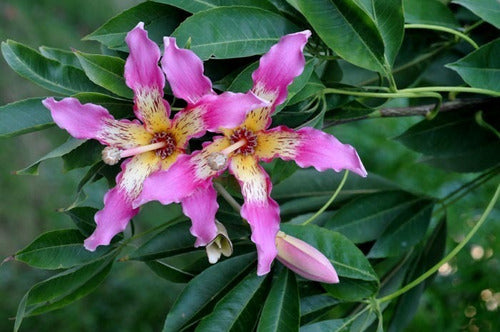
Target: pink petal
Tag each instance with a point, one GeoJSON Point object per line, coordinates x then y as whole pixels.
{"type": "Point", "coordinates": [304, 259]}
{"type": "Point", "coordinates": [184, 71]}
{"type": "Point", "coordinates": [227, 110]}
{"type": "Point", "coordinates": [308, 147]}
{"type": "Point", "coordinates": [259, 209]}
{"type": "Point", "coordinates": [141, 68]}
{"type": "Point", "coordinates": [111, 220]}
{"type": "Point", "coordinates": [80, 121]}
{"type": "Point", "coordinates": [279, 67]}
{"type": "Point", "coordinates": [201, 207]}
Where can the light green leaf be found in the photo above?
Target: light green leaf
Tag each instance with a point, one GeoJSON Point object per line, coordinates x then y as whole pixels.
{"type": "Point", "coordinates": [66, 147]}
{"type": "Point", "coordinates": [233, 32]}
{"type": "Point", "coordinates": [239, 309]}
{"type": "Point", "coordinates": [429, 12]}
{"type": "Point", "coordinates": [59, 249]}
{"type": "Point", "coordinates": [194, 6]}
{"type": "Point", "coordinates": [23, 117]}
{"type": "Point", "coordinates": [281, 311]}
{"type": "Point", "coordinates": [406, 230]}
{"type": "Point", "coordinates": [365, 218]}
{"type": "Point", "coordinates": [488, 10]}
{"type": "Point", "coordinates": [204, 290]}
{"type": "Point", "coordinates": [105, 71]}
{"type": "Point", "coordinates": [481, 68]}
{"type": "Point", "coordinates": [47, 73]}
{"type": "Point", "coordinates": [348, 30]}
{"type": "Point", "coordinates": [159, 20]}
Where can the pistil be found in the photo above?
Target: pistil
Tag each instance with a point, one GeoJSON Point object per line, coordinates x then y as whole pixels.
{"type": "Point", "coordinates": [218, 160]}
{"type": "Point", "coordinates": [111, 155]}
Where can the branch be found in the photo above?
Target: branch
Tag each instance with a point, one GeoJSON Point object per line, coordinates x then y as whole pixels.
{"type": "Point", "coordinates": [423, 110]}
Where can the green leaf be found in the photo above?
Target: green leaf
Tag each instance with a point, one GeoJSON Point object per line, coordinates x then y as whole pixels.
{"type": "Point", "coordinates": [455, 141]}
{"type": "Point", "coordinates": [168, 272]}
{"type": "Point", "coordinates": [63, 289]}
{"type": "Point", "coordinates": [105, 71]}
{"type": "Point", "coordinates": [86, 154]}
{"type": "Point", "coordinates": [159, 20]}
{"type": "Point", "coordinates": [348, 30]}
{"type": "Point", "coordinates": [194, 6]}
{"type": "Point", "coordinates": [365, 218]}
{"type": "Point", "coordinates": [83, 217]}
{"type": "Point", "coordinates": [332, 325]}
{"type": "Point", "coordinates": [23, 117]}
{"type": "Point", "coordinates": [214, 32]}
{"type": "Point", "coordinates": [205, 289]}
{"type": "Point", "coordinates": [171, 241]}
{"type": "Point", "coordinates": [314, 306]}
{"type": "Point", "coordinates": [406, 230]}
{"type": "Point", "coordinates": [239, 309]}
{"type": "Point", "coordinates": [488, 10]}
{"type": "Point", "coordinates": [281, 311]}
{"type": "Point", "coordinates": [243, 82]}
{"type": "Point", "coordinates": [347, 259]}
{"type": "Point", "coordinates": [117, 107]}
{"type": "Point", "coordinates": [389, 18]}
{"type": "Point", "coordinates": [65, 57]}
{"type": "Point", "coordinates": [59, 249]}
{"type": "Point", "coordinates": [481, 68]}
{"type": "Point", "coordinates": [47, 73]}
{"type": "Point", "coordinates": [429, 12]}
{"type": "Point", "coordinates": [66, 147]}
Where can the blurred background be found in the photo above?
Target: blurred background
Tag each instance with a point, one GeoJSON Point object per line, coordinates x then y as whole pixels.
{"type": "Point", "coordinates": [464, 296]}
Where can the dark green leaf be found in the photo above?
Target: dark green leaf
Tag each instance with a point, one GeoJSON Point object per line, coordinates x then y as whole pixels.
{"type": "Point", "coordinates": [310, 89]}
{"type": "Point", "coordinates": [365, 218]}
{"type": "Point", "coordinates": [243, 82]}
{"type": "Point", "coordinates": [47, 73]}
{"type": "Point", "coordinates": [348, 30]}
{"type": "Point", "coordinates": [488, 10]}
{"type": "Point", "coordinates": [86, 154]}
{"type": "Point", "coordinates": [83, 217]}
{"type": "Point", "coordinates": [352, 290]}
{"type": "Point", "coordinates": [23, 117]}
{"type": "Point", "coordinates": [65, 57]}
{"type": "Point", "coordinates": [170, 273]}
{"type": "Point", "coordinates": [282, 170]}
{"type": "Point", "coordinates": [171, 241]}
{"type": "Point", "coordinates": [159, 20]}
{"type": "Point", "coordinates": [481, 68]}
{"type": "Point", "coordinates": [239, 309]}
{"type": "Point", "coordinates": [454, 141]}
{"type": "Point", "coordinates": [281, 311]}
{"type": "Point", "coordinates": [214, 32]}
{"type": "Point", "coordinates": [68, 146]}
{"type": "Point", "coordinates": [332, 325]}
{"type": "Point", "coordinates": [63, 288]}
{"type": "Point", "coordinates": [117, 107]}
{"type": "Point", "coordinates": [314, 306]}
{"type": "Point", "coordinates": [406, 230]}
{"type": "Point", "coordinates": [58, 250]}
{"type": "Point", "coordinates": [200, 293]}
{"type": "Point", "coordinates": [105, 71]}
{"type": "Point", "coordinates": [194, 6]}
{"type": "Point", "coordinates": [347, 259]}
{"type": "Point", "coordinates": [429, 12]}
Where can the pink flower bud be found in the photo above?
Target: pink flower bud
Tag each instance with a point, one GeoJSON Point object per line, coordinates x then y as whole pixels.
{"type": "Point", "coordinates": [304, 259]}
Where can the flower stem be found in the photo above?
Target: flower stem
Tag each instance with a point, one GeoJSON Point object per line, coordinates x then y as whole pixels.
{"type": "Point", "coordinates": [443, 29]}
{"type": "Point", "coordinates": [452, 254]}
{"type": "Point", "coordinates": [327, 204]}
{"type": "Point", "coordinates": [221, 190]}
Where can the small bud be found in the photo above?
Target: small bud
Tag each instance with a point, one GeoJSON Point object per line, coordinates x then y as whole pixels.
{"type": "Point", "coordinates": [304, 259]}
{"type": "Point", "coordinates": [111, 155]}
{"type": "Point", "coordinates": [221, 244]}
{"type": "Point", "coordinates": [216, 161]}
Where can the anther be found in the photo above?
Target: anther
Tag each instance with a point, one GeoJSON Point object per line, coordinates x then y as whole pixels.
{"type": "Point", "coordinates": [111, 155]}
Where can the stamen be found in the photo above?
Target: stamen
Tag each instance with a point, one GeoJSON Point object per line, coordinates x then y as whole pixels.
{"type": "Point", "coordinates": [111, 155]}
{"type": "Point", "coordinates": [217, 160]}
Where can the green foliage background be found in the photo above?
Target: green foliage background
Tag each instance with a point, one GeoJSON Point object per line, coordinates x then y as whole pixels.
{"type": "Point", "coordinates": [133, 300]}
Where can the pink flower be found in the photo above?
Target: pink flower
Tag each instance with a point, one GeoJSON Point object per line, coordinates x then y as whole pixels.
{"type": "Point", "coordinates": [153, 141]}
{"type": "Point", "coordinates": [243, 146]}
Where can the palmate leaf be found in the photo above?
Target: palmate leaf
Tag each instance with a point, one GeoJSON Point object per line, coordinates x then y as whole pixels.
{"type": "Point", "coordinates": [239, 309]}
{"type": "Point", "coordinates": [348, 30]}
{"type": "Point", "coordinates": [63, 288]}
{"type": "Point", "coordinates": [49, 74]}
{"type": "Point", "coordinates": [481, 68]}
{"type": "Point", "coordinates": [23, 117]}
{"type": "Point", "coordinates": [159, 20]}
{"type": "Point", "coordinates": [205, 289]}
{"type": "Point", "coordinates": [233, 32]}
{"type": "Point", "coordinates": [281, 311]}
{"type": "Point", "coordinates": [59, 249]}
{"type": "Point", "coordinates": [194, 6]}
